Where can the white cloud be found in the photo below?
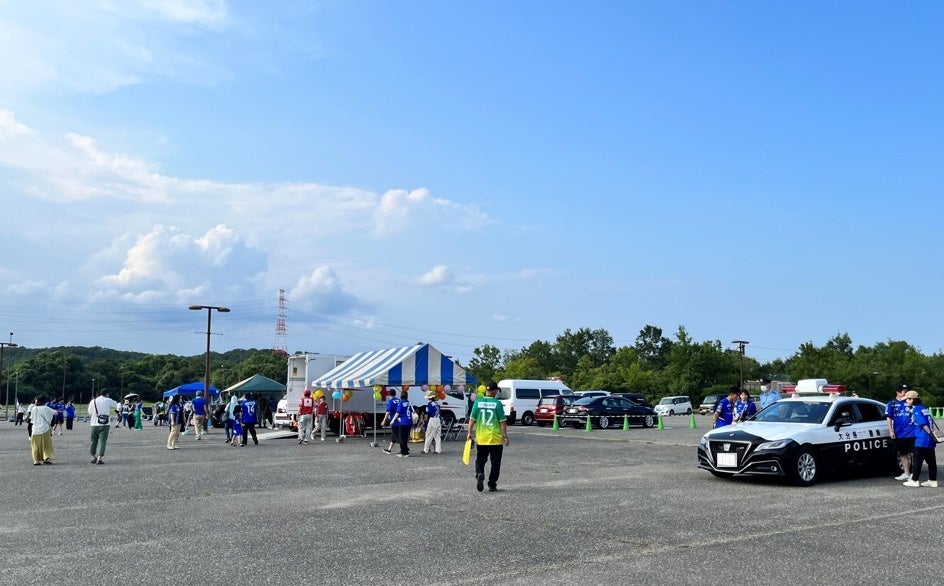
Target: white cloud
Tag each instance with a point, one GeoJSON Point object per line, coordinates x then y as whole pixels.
{"type": "Point", "coordinates": [438, 275]}
{"type": "Point", "coordinates": [401, 210]}
{"type": "Point", "coordinates": [322, 290]}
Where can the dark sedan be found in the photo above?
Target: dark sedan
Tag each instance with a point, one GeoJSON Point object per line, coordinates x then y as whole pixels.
{"type": "Point", "coordinates": [606, 412]}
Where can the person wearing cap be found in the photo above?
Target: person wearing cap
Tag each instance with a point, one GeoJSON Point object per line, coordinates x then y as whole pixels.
{"type": "Point", "coordinates": [901, 429]}
{"type": "Point", "coordinates": [487, 421]}
{"type": "Point", "coordinates": [306, 409]}
{"type": "Point", "coordinates": [924, 442]}
{"type": "Point", "coordinates": [199, 414]}
{"type": "Point", "coordinates": [768, 396]}
{"type": "Point", "coordinates": [433, 423]}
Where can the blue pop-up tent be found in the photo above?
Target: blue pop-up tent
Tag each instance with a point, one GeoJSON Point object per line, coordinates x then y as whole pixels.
{"type": "Point", "coordinates": [190, 389]}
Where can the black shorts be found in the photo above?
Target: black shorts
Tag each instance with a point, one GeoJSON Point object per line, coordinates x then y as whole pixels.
{"type": "Point", "coordinates": [904, 445]}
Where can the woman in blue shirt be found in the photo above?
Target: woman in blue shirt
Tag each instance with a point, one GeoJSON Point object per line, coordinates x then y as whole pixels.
{"type": "Point", "coordinates": [745, 407]}
{"type": "Point", "coordinates": [924, 442]}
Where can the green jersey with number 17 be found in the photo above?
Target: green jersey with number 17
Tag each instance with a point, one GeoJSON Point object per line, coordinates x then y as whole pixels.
{"type": "Point", "coordinates": [488, 413]}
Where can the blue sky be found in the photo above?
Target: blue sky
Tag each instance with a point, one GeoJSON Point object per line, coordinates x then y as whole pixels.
{"type": "Point", "coordinates": [469, 173]}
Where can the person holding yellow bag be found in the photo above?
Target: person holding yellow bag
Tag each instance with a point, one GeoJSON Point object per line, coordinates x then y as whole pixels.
{"type": "Point", "coordinates": [487, 422]}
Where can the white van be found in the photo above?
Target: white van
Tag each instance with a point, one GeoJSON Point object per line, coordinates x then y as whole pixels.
{"type": "Point", "coordinates": [520, 397]}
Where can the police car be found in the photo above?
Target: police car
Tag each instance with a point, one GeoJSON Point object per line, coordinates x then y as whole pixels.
{"type": "Point", "coordinates": [803, 436]}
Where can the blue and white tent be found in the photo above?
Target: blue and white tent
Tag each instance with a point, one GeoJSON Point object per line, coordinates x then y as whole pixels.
{"type": "Point", "coordinates": [420, 364]}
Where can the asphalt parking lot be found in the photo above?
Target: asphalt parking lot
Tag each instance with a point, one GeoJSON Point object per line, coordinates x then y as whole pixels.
{"type": "Point", "coordinates": [627, 507]}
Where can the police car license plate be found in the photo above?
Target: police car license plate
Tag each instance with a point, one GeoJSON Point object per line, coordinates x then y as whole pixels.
{"type": "Point", "coordinates": [727, 460]}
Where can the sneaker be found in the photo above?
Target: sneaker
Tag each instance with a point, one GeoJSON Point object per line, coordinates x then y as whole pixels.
{"type": "Point", "coordinates": [100, 462]}
{"type": "Point", "coordinates": [385, 450]}
{"type": "Point", "coordinates": [170, 448]}
{"type": "Point", "coordinates": [931, 483]}
{"type": "Point", "coordinates": [305, 442]}
{"type": "Point", "coordinates": [911, 483]}
{"type": "Point", "coordinates": [300, 442]}
{"type": "Point", "coordinates": [480, 481]}
{"type": "Point", "coordinates": [492, 489]}
{"type": "Point", "coordinates": [903, 476]}
{"type": "Point", "coordinates": [399, 455]}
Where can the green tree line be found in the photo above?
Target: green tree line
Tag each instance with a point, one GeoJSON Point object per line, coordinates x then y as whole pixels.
{"type": "Point", "coordinates": [73, 372]}
{"type": "Point", "coordinates": [658, 366]}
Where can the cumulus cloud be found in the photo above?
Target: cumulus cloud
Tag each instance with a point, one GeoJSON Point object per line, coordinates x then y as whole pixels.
{"type": "Point", "coordinates": [322, 290]}
{"type": "Point", "coordinates": [400, 210]}
{"type": "Point", "coordinates": [166, 264]}
{"type": "Point", "coordinates": [438, 275]}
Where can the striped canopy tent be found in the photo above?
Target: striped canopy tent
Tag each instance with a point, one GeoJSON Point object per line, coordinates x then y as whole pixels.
{"type": "Point", "coordinates": [421, 364]}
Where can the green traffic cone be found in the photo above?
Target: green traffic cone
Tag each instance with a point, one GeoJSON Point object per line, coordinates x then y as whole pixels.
{"type": "Point", "coordinates": [691, 423]}
{"type": "Point", "coordinates": [589, 427]}
{"type": "Point", "coordinates": [556, 424]}
{"type": "Point", "coordinates": [660, 425]}
{"type": "Point", "coordinates": [625, 422]}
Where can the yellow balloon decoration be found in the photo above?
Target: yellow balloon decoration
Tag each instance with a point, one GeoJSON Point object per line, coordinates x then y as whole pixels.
{"type": "Point", "coordinates": [318, 394]}
{"type": "Point", "coordinates": [377, 396]}
{"type": "Point", "coordinates": [378, 388]}
{"type": "Point", "coordinates": [481, 391]}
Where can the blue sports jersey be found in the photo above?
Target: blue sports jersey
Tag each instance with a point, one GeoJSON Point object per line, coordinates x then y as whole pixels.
{"type": "Point", "coordinates": [404, 413]}
{"type": "Point", "coordinates": [174, 413]}
{"type": "Point", "coordinates": [248, 412]}
{"type": "Point", "coordinates": [432, 409]}
{"type": "Point", "coordinates": [744, 409]}
{"type": "Point", "coordinates": [199, 406]}
{"type": "Point", "coordinates": [902, 421]}
{"type": "Point", "coordinates": [725, 411]}
{"type": "Point", "coordinates": [922, 417]}
{"type": "Point", "coordinates": [237, 427]}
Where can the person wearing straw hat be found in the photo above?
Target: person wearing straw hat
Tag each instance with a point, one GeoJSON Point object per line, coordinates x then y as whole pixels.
{"type": "Point", "coordinates": [924, 442]}
{"type": "Point", "coordinates": [433, 423]}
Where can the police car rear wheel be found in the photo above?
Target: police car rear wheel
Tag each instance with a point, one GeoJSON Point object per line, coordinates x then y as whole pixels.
{"type": "Point", "coordinates": [805, 468]}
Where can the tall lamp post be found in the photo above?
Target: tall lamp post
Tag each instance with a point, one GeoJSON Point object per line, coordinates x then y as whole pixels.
{"type": "Point", "coordinates": [6, 412]}
{"type": "Point", "coordinates": [206, 375]}
{"type": "Point", "coordinates": [870, 381]}
{"type": "Point", "coordinates": [741, 344]}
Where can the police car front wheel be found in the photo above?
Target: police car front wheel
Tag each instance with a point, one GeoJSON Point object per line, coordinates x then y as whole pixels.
{"type": "Point", "coordinates": [805, 467]}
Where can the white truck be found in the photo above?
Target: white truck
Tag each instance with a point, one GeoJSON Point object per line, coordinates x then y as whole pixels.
{"type": "Point", "coordinates": [302, 369]}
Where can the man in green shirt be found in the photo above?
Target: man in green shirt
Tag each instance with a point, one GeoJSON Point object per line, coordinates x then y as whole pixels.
{"type": "Point", "coordinates": [487, 420]}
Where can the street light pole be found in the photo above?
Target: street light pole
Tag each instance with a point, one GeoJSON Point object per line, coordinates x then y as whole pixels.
{"type": "Point", "coordinates": [870, 382]}
{"type": "Point", "coordinates": [6, 413]}
{"type": "Point", "coordinates": [206, 374]}
{"type": "Point", "coordinates": [741, 344]}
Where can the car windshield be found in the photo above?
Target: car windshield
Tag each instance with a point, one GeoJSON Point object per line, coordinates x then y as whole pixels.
{"type": "Point", "coordinates": [794, 412]}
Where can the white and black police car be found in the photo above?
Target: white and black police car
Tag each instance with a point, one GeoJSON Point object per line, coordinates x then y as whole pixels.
{"type": "Point", "coordinates": [803, 436]}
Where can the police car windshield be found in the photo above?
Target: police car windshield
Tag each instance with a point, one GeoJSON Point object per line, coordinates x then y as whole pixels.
{"type": "Point", "coordinates": [793, 412]}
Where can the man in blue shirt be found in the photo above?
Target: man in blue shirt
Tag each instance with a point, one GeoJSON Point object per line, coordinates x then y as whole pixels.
{"type": "Point", "coordinates": [199, 413]}
{"type": "Point", "coordinates": [901, 428]}
{"type": "Point", "coordinates": [724, 410]}
{"type": "Point", "coordinates": [768, 396]}
{"type": "Point", "coordinates": [403, 423]}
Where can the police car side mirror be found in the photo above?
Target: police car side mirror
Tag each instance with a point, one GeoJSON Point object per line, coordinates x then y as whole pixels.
{"type": "Point", "coordinates": [842, 422]}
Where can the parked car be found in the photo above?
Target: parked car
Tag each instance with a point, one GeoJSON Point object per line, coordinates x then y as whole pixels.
{"type": "Point", "coordinates": [147, 413]}
{"type": "Point", "coordinates": [634, 397]}
{"type": "Point", "coordinates": [709, 402]}
{"type": "Point", "coordinates": [607, 412]}
{"type": "Point", "coordinates": [677, 405]}
{"type": "Point", "coordinates": [594, 393]}
{"type": "Point", "coordinates": [548, 407]}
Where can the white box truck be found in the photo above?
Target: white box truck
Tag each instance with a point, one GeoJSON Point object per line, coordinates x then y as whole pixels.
{"type": "Point", "coordinates": [302, 369]}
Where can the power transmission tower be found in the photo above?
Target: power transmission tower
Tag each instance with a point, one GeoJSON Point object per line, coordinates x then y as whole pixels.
{"type": "Point", "coordinates": [280, 347]}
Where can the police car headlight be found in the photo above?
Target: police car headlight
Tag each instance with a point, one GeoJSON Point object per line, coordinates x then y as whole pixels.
{"type": "Point", "coordinates": [773, 445]}
{"type": "Point", "coordinates": [703, 442]}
